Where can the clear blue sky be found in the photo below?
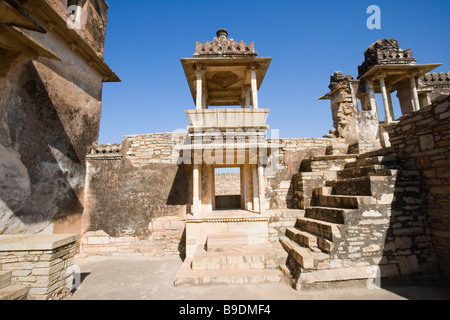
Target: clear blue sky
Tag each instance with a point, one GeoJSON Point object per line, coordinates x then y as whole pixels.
{"type": "Point", "coordinates": [307, 40]}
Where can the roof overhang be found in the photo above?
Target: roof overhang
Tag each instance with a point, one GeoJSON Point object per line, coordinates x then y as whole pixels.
{"type": "Point", "coordinates": [226, 77]}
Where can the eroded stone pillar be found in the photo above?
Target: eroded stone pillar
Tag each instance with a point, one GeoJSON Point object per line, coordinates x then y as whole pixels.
{"type": "Point", "coordinates": [387, 112]}
{"type": "Point", "coordinates": [412, 82]}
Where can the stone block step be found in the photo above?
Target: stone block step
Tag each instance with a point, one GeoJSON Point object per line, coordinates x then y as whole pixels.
{"type": "Point", "coordinates": [336, 201]}
{"type": "Point", "coordinates": [302, 255]}
{"type": "Point", "coordinates": [303, 238]}
{"type": "Point", "coordinates": [364, 186]}
{"type": "Point", "coordinates": [227, 241]}
{"type": "Point", "coordinates": [306, 239]}
{"type": "Point", "coordinates": [387, 160]}
{"type": "Point", "coordinates": [5, 278]}
{"type": "Point", "coordinates": [333, 215]}
{"type": "Point", "coordinates": [328, 162]}
{"type": "Point", "coordinates": [323, 191]}
{"type": "Point", "coordinates": [14, 292]}
{"type": "Point", "coordinates": [187, 277]}
{"type": "Point", "coordinates": [324, 229]}
{"type": "Point", "coordinates": [209, 261]}
{"type": "Point", "coordinates": [306, 258]}
{"type": "Point", "coordinates": [358, 171]}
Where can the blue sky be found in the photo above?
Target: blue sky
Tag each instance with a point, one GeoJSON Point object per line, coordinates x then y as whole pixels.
{"type": "Point", "coordinates": [307, 40]}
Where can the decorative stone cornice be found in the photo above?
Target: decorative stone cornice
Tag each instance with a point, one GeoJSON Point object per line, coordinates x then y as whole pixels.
{"type": "Point", "coordinates": [222, 46]}
{"type": "Point", "coordinates": [106, 152]}
{"type": "Point", "coordinates": [385, 52]}
{"type": "Point", "coordinates": [226, 219]}
{"type": "Point", "coordinates": [440, 80]}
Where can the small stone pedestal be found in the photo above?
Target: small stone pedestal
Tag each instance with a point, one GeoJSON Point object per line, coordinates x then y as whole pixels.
{"type": "Point", "coordinates": [41, 262]}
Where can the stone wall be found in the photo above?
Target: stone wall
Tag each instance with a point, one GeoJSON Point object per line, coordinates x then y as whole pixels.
{"type": "Point", "coordinates": [50, 115]}
{"type": "Point", "coordinates": [135, 206]}
{"type": "Point", "coordinates": [228, 184]}
{"type": "Point", "coordinates": [421, 141]}
{"type": "Point", "coordinates": [43, 263]}
{"type": "Point", "coordinates": [137, 196]}
{"type": "Point", "coordinates": [153, 148]}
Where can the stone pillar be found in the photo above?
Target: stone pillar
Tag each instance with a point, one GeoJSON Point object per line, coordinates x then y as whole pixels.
{"type": "Point", "coordinates": [245, 183]}
{"type": "Point", "coordinates": [261, 187]}
{"type": "Point", "coordinates": [199, 100]}
{"type": "Point", "coordinates": [412, 82]}
{"type": "Point", "coordinates": [196, 192]}
{"type": "Point", "coordinates": [387, 113]}
{"type": "Point", "coordinates": [255, 187]}
{"type": "Point", "coordinates": [247, 96]}
{"type": "Point", "coordinates": [391, 107]}
{"type": "Point", "coordinates": [254, 88]}
{"type": "Point", "coordinates": [372, 101]}
{"type": "Point", "coordinates": [204, 98]}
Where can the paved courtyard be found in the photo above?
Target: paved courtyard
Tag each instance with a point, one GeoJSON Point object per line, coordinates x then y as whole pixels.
{"type": "Point", "coordinates": [106, 278]}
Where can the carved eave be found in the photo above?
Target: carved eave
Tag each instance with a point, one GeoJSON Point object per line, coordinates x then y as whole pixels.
{"type": "Point", "coordinates": [233, 89]}
{"type": "Point", "coordinates": [12, 14]}
{"type": "Point", "coordinates": [393, 74]}
{"type": "Point", "coordinates": [46, 15]}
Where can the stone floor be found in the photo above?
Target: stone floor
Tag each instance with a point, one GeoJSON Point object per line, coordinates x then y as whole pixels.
{"type": "Point", "coordinates": [106, 278]}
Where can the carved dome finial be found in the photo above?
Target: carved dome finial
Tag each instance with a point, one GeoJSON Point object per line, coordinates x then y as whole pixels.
{"type": "Point", "coordinates": [222, 32]}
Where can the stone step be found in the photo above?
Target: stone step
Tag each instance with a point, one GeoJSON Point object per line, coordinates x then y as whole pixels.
{"type": "Point", "coordinates": [5, 278]}
{"type": "Point", "coordinates": [323, 191]}
{"type": "Point", "coordinates": [209, 261]}
{"type": "Point", "coordinates": [360, 171]}
{"type": "Point", "coordinates": [306, 239]}
{"type": "Point", "coordinates": [333, 215]}
{"type": "Point", "coordinates": [302, 255]}
{"type": "Point", "coordinates": [363, 186]}
{"type": "Point", "coordinates": [188, 277]}
{"type": "Point", "coordinates": [387, 160]}
{"type": "Point", "coordinates": [306, 258]}
{"type": "Point", "coordinates": [336, 201]}
{"type": "Point", "coordinates": [14, 292]}
{"type": "Point", "coordinates": [219, 242]}
{"type": "Point", "coordinates": [324, 229]}
{"type": "Point", "coordinates": [328, 162]}
{"type": "Point", "coordinates": [303, 238]}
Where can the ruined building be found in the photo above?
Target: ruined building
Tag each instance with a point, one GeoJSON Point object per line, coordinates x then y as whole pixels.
{"type": "Point", "coordinates": [364, 201]}
{"type": "Point", "coordinates": [51, 78]}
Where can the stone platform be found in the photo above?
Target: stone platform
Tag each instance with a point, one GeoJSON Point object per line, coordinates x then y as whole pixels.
{"type": "Point", "coordinates": [255, 264]}
{"type": "Point", "coordinates": [198, 228]}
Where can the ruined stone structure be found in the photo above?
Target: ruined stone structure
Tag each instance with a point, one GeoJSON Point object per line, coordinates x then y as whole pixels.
{"type": "Point", "coordinates": [51, 77]}
{"type": "Point", "coordinates": [366, 200]}
{"type": "Point", "coordinates": [349, 207]}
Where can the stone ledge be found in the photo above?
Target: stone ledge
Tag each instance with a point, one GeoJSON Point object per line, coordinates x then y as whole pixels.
{"type": "Point", "coordinates": [35, 242]}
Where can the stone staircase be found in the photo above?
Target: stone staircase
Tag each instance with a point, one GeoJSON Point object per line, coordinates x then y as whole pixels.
{"type": "Point", "coordinates": [9, 291]}
{"type": "Point", "coordinates": [229, 259]}
{"type": "Point", "coordinates": [341, 236]}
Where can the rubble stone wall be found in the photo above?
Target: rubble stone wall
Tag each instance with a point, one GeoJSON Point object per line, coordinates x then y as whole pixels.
{"type": "Point", "coordinates": [421, 141]}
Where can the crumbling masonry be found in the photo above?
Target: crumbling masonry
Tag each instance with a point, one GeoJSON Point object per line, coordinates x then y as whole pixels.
{"type": "Point", "coordinates": [366, 200]}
